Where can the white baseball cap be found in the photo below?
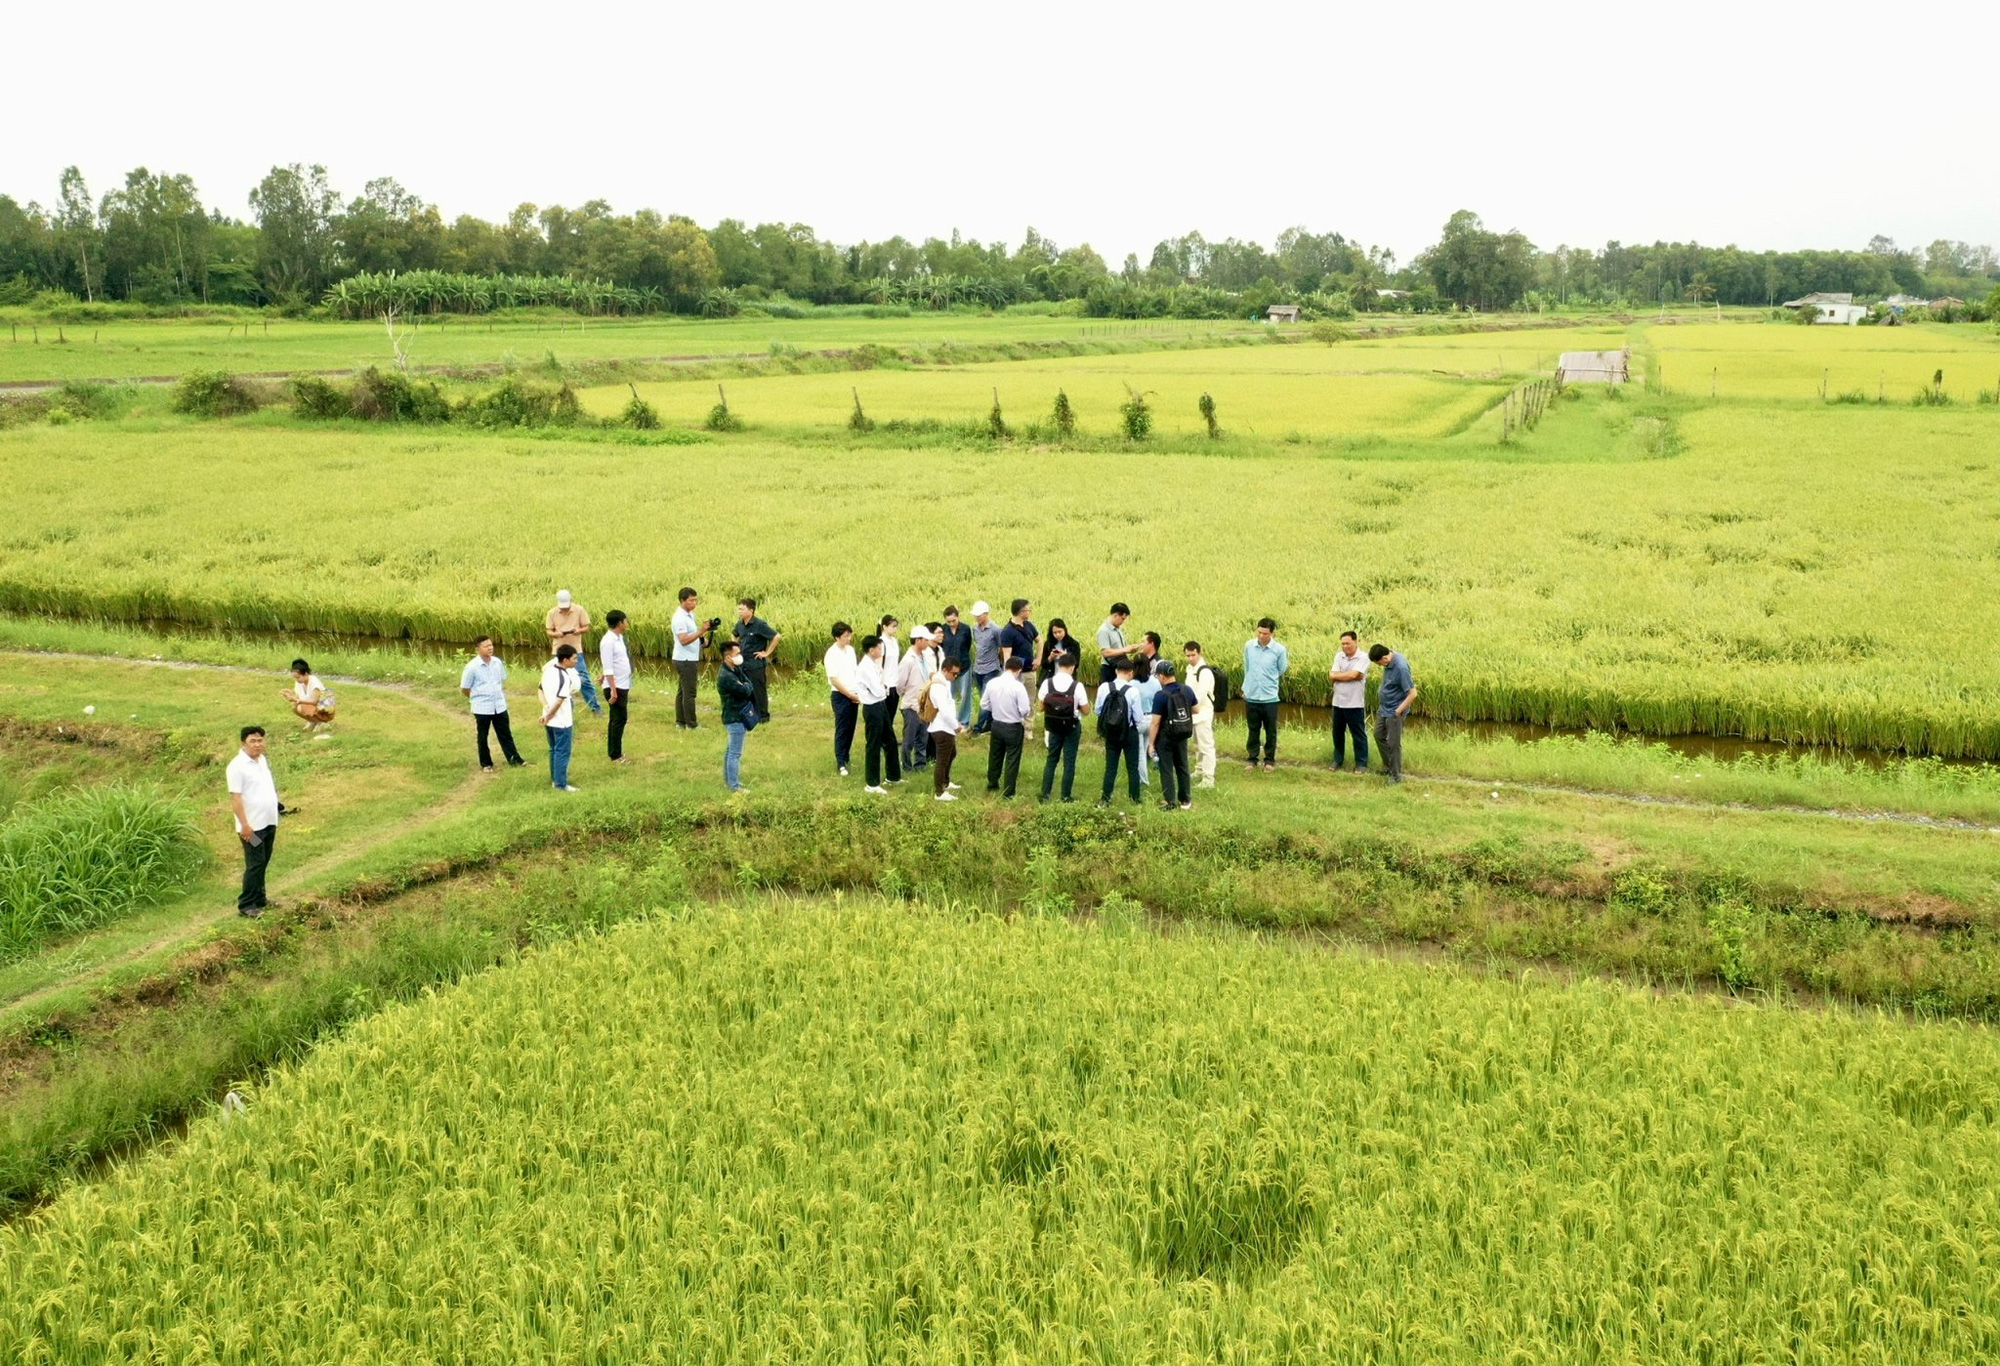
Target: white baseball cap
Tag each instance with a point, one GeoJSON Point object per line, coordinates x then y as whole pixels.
{"type": "Point", "coordinates": [921, 633]}
{"type": "Point", "coordinates": [563, 598]}
{"type": "Point", "coordinates": [980, 609]}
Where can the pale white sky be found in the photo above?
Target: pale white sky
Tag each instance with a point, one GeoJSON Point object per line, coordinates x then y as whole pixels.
{"type": "Point", "coordinates": [1781, 125]}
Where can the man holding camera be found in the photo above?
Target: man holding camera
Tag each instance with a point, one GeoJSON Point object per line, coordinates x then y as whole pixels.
{"type": "Point", "coordinates": [760, 643]}
{"type": "Point", "coordinates": [690, 635]}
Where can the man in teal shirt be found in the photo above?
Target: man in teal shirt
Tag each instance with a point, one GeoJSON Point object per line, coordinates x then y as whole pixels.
{"type": "Point", "coordinates": [1264, 663]}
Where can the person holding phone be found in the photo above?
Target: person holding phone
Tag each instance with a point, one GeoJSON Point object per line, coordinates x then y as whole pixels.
{"type": "Point", "coordinates": [690, 635]}
{"type": "Point", "coordinates": [253, 798]}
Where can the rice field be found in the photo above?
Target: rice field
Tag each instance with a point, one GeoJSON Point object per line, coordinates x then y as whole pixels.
{"type": "Point", "coordinates": [1420, 386]}
{"type": "Point", "coordinates": [861, 1133]}
{"type": "Point", "coordinates": [283, 346]}
{"type": "Point", "coordinates": [1670, 566]}
{"type": "Point", "coordinates": [1789, 362]}
{"type": "Point", "coordinates": [1320, 400]}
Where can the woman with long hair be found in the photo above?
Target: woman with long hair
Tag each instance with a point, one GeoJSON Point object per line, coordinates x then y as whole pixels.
{"type": "Point", "coordinates": [1058, 643]}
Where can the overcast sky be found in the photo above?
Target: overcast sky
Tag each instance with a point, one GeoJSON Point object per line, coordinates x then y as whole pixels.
{"type": "Point", "coordinates": [1767, 125]}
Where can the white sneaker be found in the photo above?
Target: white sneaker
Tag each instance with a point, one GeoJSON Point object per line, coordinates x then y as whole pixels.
{"type": "Point", "coordinates": [879, 791]}
{"type": "Point", "coordinates": [945, 797]}
{"type": "Point", "coordinates": [953, 787]}
{"type": "Point", "coordinates": [843, 773]}
{"type": "Point", "coordinates": [572, 788]}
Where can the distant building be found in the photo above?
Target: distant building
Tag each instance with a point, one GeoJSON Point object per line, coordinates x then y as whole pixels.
{"type": "Point", "coordinates": [1282, 313]}
{"type": "Point", "coordinates": [1392, 293]}
{"type": "Point", "coordinates": [1837, 309]}
{"type": "Point", "coordinates": [1594, 367]}
{"type": "Point", "coordinates": [1897, 303]}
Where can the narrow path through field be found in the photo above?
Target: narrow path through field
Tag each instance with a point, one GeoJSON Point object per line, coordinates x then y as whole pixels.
{"type": "Point", "coordinates": [299, 879]}
{"type": "Point", "coordinates": [36, 386]}
{"type": "Point", "coordinates": [294, 881]}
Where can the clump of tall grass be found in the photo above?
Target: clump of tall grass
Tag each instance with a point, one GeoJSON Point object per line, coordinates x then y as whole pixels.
{"type": "Point", "coordinates": [90, 857]}
{"type": "Point", "coordinates": [214, 393]}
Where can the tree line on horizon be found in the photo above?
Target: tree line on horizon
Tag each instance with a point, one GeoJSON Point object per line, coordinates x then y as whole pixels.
{"type": "Point", "coordinates": [153, 241]}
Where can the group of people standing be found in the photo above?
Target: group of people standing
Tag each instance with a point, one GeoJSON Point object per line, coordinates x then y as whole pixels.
{"type": "Point", "coordinates": [1151, 713]}
{"type": "Point", "coordinates": [566, 678]}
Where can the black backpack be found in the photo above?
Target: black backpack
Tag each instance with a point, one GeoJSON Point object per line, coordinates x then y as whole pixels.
{"type": "Point", "coordinates": [1059, 707]}
{"type": "Point", "coordinates": [1115, 716]}
{"type": "Point", "coordinates": [1221, 687]}
{"type": "Point", "coordinates": [1179, 721]}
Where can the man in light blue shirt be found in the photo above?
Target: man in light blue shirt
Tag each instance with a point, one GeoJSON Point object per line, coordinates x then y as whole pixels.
{"type": "Point", "coordinates": [689, 636]}
{"type": "Point", "coordinates": [1145, 687]}
{"type": "Point", "coordinates": [1264, 664]}
{"type": "Point", "coordinates": [485, 682]}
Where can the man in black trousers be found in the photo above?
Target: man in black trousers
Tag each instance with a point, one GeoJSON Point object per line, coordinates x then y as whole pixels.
{"type": "Point", "coordinates": [1011, 708]}
{"type": "Point", "coordinates": [253, 797]}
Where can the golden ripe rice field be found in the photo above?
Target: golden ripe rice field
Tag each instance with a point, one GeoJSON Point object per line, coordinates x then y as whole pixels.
{"type": "Point", "coordinates": [829, 1134]}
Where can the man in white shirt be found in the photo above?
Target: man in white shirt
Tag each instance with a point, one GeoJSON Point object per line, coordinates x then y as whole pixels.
{"type": "Point", "coordinates": [892, 648]}
{"type": "Point", "coordinates": [690, 634]}
{"type": "Point", "coordinates": [842, 679]}
{"type": "Point", "coordinates": [878, 718]}
{"type": "Point", "coordinates": [1008, 701]}
{"type": "Point", "coordinates": [1201, 682]}
{"type": "Point", "coordinates": [944, 729]}
{"type": "Point", "coordinates": [614, 662]}
{"type": "Point", "coordinates": [1350, 701]}
{"type": "Point", "coordinates": [558, 692]}
{"type": "Point", "coordinates": [1063, 723]}
{"type": "Point", "coordinates": [913, 677]}
{"type": "Point", "coordinates": [253, 797]}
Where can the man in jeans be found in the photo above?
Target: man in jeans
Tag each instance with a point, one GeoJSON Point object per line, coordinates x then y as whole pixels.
{"type": "Point", "coordinates": [690, 634]}
{"type": "Point", "coordinates": [912, 681]}
{"type": "Point", "coordinates": [737, 692]}
{"type": "Point", "coordinates": [1264, 663]}
{"type": "Point", "coordinates": [955, 645]}
{"type": "Point", "coordinates": [1011, 707]}
{"type": "Point", "coordinates": [1065, 704]}
{"type": "Point", "coordinates": [985, 661]}
{"type": "Point", "coordinates": [759, 640]}
{"type": "Point", "coordinates": [1350, 702]}
{"type": "Point", "coordinates": [566, 624]}
{"type": "Point", "coordinates": [253, 797]}
{"type": "Point", "coordinates": [484, 681]}
{"type": "Point", "coordinates": [1119, 700]}
{"type": "Point", "coordinates": [843, 672]}
{"type": "Point", "coordinates": [1392, 703]}
{"type": "Point", "coordinates": [558, 693]}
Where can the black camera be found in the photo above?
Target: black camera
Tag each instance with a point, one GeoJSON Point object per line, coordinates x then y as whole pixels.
{"type": "Point", "coordinates": [714, 622]}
